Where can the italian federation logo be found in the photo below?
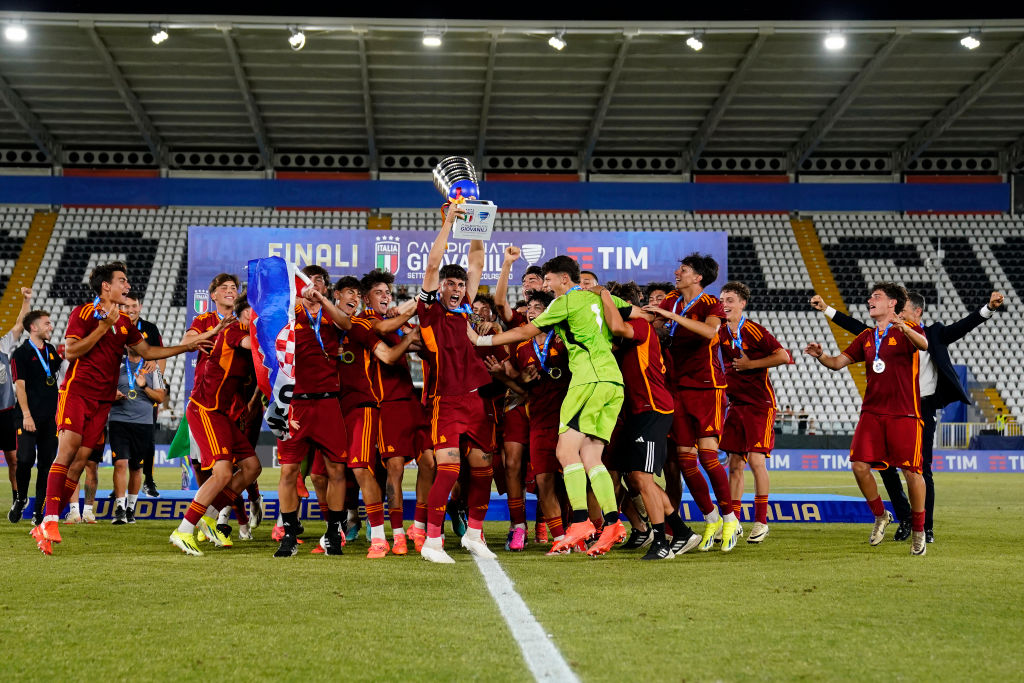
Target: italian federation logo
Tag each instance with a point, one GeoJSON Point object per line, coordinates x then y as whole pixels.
{"type": "Point", "coordinates": [201, 301]}
{"type": "Point", "coordinates": [388, 251]}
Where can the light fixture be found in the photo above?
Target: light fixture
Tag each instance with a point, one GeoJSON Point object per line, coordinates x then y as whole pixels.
{"type": "Point", "coordinates": [432, 38]}
{"type": "Point", "coordinates": [297, 40]}
{"type": "Point", "coordinates": [16, 33]}
{"type": "Point", "coordinates": [970, 41]}
{"type": "Point", "coordinates": [557, 41]}
{"type": "Point", "coordinates": [695, 43]}
{"type": "Point", "coordinates": [835, 41]}
{"type": "Point", "coordinates": [159, 34]}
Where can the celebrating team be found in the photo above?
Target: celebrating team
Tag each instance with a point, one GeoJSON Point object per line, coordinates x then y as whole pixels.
{"type": "Point", "coordinates": [586, 383]}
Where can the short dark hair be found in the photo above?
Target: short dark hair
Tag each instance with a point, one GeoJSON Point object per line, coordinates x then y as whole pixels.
{"type": "Point", "coordinates": [564, 265]}
{"type": "Point", "coordinates": [133, 296]}
{"type": "Point", "coordinates": [453, 271]}
{"type": "Point", "coordinates": [590, 273]}
{"type": "Point", "coordinates": [241, 303]}
{"type": "Point", "coordinates": [312, 271]}
{"type": "Point", "coordinates": [486, 299]}
{"type": "Point", "coordinates": [105, 273]}
{"type": "Point", "coordinates": [915, 299]}
{"type": "Point", "coordinates": [221, 279]}
{"type": "Point", "coordinates": [893, 291]}
{"type": "Point", "coordinates": [374, 278]}
{"type": "Point", "coordinates": [33, 316]}
{"type": "Point", "coordinates": [666, 287]}
{"type": "Point", "coordinates": [627, 291]}
{"type": "Point", "coordinates": [540, 295]}
{"type": "Point", "coordinates": [737, 288]}
{"type": "Point", "coordinates": [704, 265]}
{"type": "Point", "coordinates": [347, 282]}
{"type": "Point", "coordinates": [533, 270]}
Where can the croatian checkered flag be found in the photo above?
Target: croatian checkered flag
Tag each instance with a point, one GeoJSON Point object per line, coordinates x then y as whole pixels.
{"type": "Point", "coordinates": [273, 286]}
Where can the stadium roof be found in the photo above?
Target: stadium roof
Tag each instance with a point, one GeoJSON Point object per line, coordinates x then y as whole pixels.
{"type": "Point", "coordinates": [370, 88]}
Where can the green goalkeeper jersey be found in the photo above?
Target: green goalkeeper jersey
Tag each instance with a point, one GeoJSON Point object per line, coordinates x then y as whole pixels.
{"type": "Point", "coordinates": [578, 318]}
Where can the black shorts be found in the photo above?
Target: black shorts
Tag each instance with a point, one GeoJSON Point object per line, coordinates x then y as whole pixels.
{"type": "Point", "coordinates": [131, 441]}
{"type": "Point", "coordinates": [8, 430]}
{"type": "Point", "coordinates": [643, 443]}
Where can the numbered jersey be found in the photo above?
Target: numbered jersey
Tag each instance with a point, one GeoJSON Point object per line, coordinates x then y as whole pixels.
{"type": "Point", "coordinates": [578, 318]}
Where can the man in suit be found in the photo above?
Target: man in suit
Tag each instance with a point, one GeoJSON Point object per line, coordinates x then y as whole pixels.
{"type": "Point", "coordinates": [939, 387]}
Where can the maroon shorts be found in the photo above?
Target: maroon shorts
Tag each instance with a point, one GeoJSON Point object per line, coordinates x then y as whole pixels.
{"type": "Point", "coordinates": [321, 426]}
{"type": "Point", "coordinates": [363, 436]}
{"type": "Point", "coordinates": [748, 429]}
{"type": "Point", "coordinates": [887, 441]}
{"type": "Point", "coordinates": [698, 413]}
{"type": "Point", "coordinates": [217, 436]}
{"type": "Point", "coordinates": [400, 421]}
{"type": "Point", "coordinates": [85, 416]}
{"type": "Point", "coordinates": [543, 441]}
{"type": "Point", "coordinates": [453, 418]}
{"type": "Point", "coordinates": [517, 425]}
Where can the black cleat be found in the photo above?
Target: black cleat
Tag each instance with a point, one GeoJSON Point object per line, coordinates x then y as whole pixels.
{"type": "Point", "coordinates": [459, 517]}
{"type": "Point", "coordinates": [14, 515]}
{"type": "Point", "coordinates": [129, 515]}
{"type": "Point", "coordinates": [659, 550]}
{"type": "Point", "coordinates": [119, 516]}
{"type": "Point", "coordinates": [289, 547]}
{"type": "Point", "coordinates": [224, 529]}
{"type": "Point", "coordinates": [638, 539]}
{"type": "Point", "coordinates": [929, 536]}
{"type": "Point", "coordinates": [333, 544]}
{"type": "Point", "coordinates": [683, 544]}
{"type": "Point", "coordinates": [150, 489]}
{"type": "Point", "coordinates": [902, 531]}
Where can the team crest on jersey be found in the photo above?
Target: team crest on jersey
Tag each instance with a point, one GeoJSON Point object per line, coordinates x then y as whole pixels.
{"type": "Point", "coordinates": [201, 301]}
{"type": "Point", "coordinates": [388, 251]}
{"type": "Point", "coordinates": [892, 341]}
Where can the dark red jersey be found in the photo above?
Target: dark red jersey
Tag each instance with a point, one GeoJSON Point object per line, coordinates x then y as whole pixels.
{"type": "Point", "coordinates": [316, 366]}
{"type": "Point", "coordinates": [360, 372]}
{"type": "Point", "coordinates": [544, 395]}
{"type": "Point", "coordinates": [643, 371]}
{"type": "Point", "coordinates": [752, 387]}
{"type": "Point", "coordinates": [95, 374]}
{"type": "Point", "coordinates": [453, 367]}
{"type": "Point", "coordinates": [500, 353]}
{"type": "Point", "coordinates": [204, 323]}
{"type": "Point", "coordinates": [695, 360]}
{"type": "Point", "coordinates": [895, 390]}
{"type": "Point", "coordinates": [227, 370]}
{"type": "Point", "coordinates": [396, 381]}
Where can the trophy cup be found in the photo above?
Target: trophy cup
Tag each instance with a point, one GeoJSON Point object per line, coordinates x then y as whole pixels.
{"type": "Point", "coordinates": [456, 180]}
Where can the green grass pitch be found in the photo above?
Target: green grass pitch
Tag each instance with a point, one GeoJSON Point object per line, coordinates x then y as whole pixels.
{"type": "Point", "coordinates": [814, 602]}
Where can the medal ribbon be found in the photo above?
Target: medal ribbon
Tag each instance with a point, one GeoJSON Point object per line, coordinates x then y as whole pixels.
{"type": "Point", "coordinates": [131, 373]}
{"type": "Point", "coordinates": [315, 325]}
{"type": "Point", "coordinates": [738, 337]}
{"type": "Point", "coordinates": [878, 340]}
{"type": "Point", "coordinates": [43, 360]}
{"type": "Point", "coordinates": [542, 355]}
{"type": "Point", "coordinates": [98, 312]}
{"type": "Point", "coordinates": [675, 309]}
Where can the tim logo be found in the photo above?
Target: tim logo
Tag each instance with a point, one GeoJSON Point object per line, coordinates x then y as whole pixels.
{"type": "Point", "coordinates": [582, 255]}
{"type": "Point", "coordinates": [201, 301]}
{"type": "Point", "coordinates": [387, 251]}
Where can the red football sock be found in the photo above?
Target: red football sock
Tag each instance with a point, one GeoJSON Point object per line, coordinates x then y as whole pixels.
{"type": "Point", "coordinates": [917, 521]}
{"type": "Point", "coordinates": [480, 496]}
{"type": "Point", "coordinates": [395, 518]}
{"type": "Point", "coordinates": [224, 499]}
{"type": "Point", "coordinates": [375, 514]}
{"type": "Point", "coordinates": [55, 489]}
{"type": "Point", "coordinates": [194, 513]}
{"type": "Point", "coordinates": [517, 510]}
{"type": "Point", "coordinates": [555, 527]}
{"type": "Point", "coordinates": [70, 486]}
{"type": "Point", "coordinates": [421, 513]}
{"type": "Point", "coordinates": [323, 509]}
{"type": "Point", "coordinates": [240, 513]}
{"type": "Point", "coordinates": [877, 507]}
{"type": "Point", "coordinates": [437, 502]}
{"type": "Point", "coordinates": [761, 509]}
{"type": "Point", "coordinates": [695, 482]}
{"type": "Point", "coordinates": [253, 490]}
{"type": "Point", "coordinates": [719, 479]}
{"type": "Point", "coordinates": [737, 508]}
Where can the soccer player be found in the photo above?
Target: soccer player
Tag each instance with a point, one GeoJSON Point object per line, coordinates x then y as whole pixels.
{"type": "Point", "coordinates": [131, 431]}
{"type": "Point", "coordinates": [698, 383]}
{"type": "Point", "coordinates": [532, 281]}
{"type": "Point", "coordinates": [361, 380]}
{"type": "Point", "coordinates": [95, 339]}
{"type": "Point", "coordinates": [592, 404]}
{"type": "Point", "coordinates": [151, 333]}
{"type": "Point", "coordinates": [8, 424]}
{"type": "Point", "coordinates": [889, 431]}
{"type": "Point", "coordinates": [222, 445]}
{"type": "Point", "coordinates": [588, 279]}
{"type": "Point", "coordinates": [36, 366]}
{"type": "Point", "coordinates": [657, 291]}
{"type": "Point", "coordinates": [748, 350]}
{"type": "Point", "coordinates": [401, 415]}
{"type": "Point", "coordinates": [647, 419]}
{"type": "Point", "coordinates": [453, 377]}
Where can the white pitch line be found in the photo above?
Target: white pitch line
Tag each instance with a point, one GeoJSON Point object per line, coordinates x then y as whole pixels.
{"type": "Point", "coordinates": [542, 657]}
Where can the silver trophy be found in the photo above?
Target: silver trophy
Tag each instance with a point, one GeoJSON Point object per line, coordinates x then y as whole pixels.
{"type": "Point", "coordinates": [456, 180]}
